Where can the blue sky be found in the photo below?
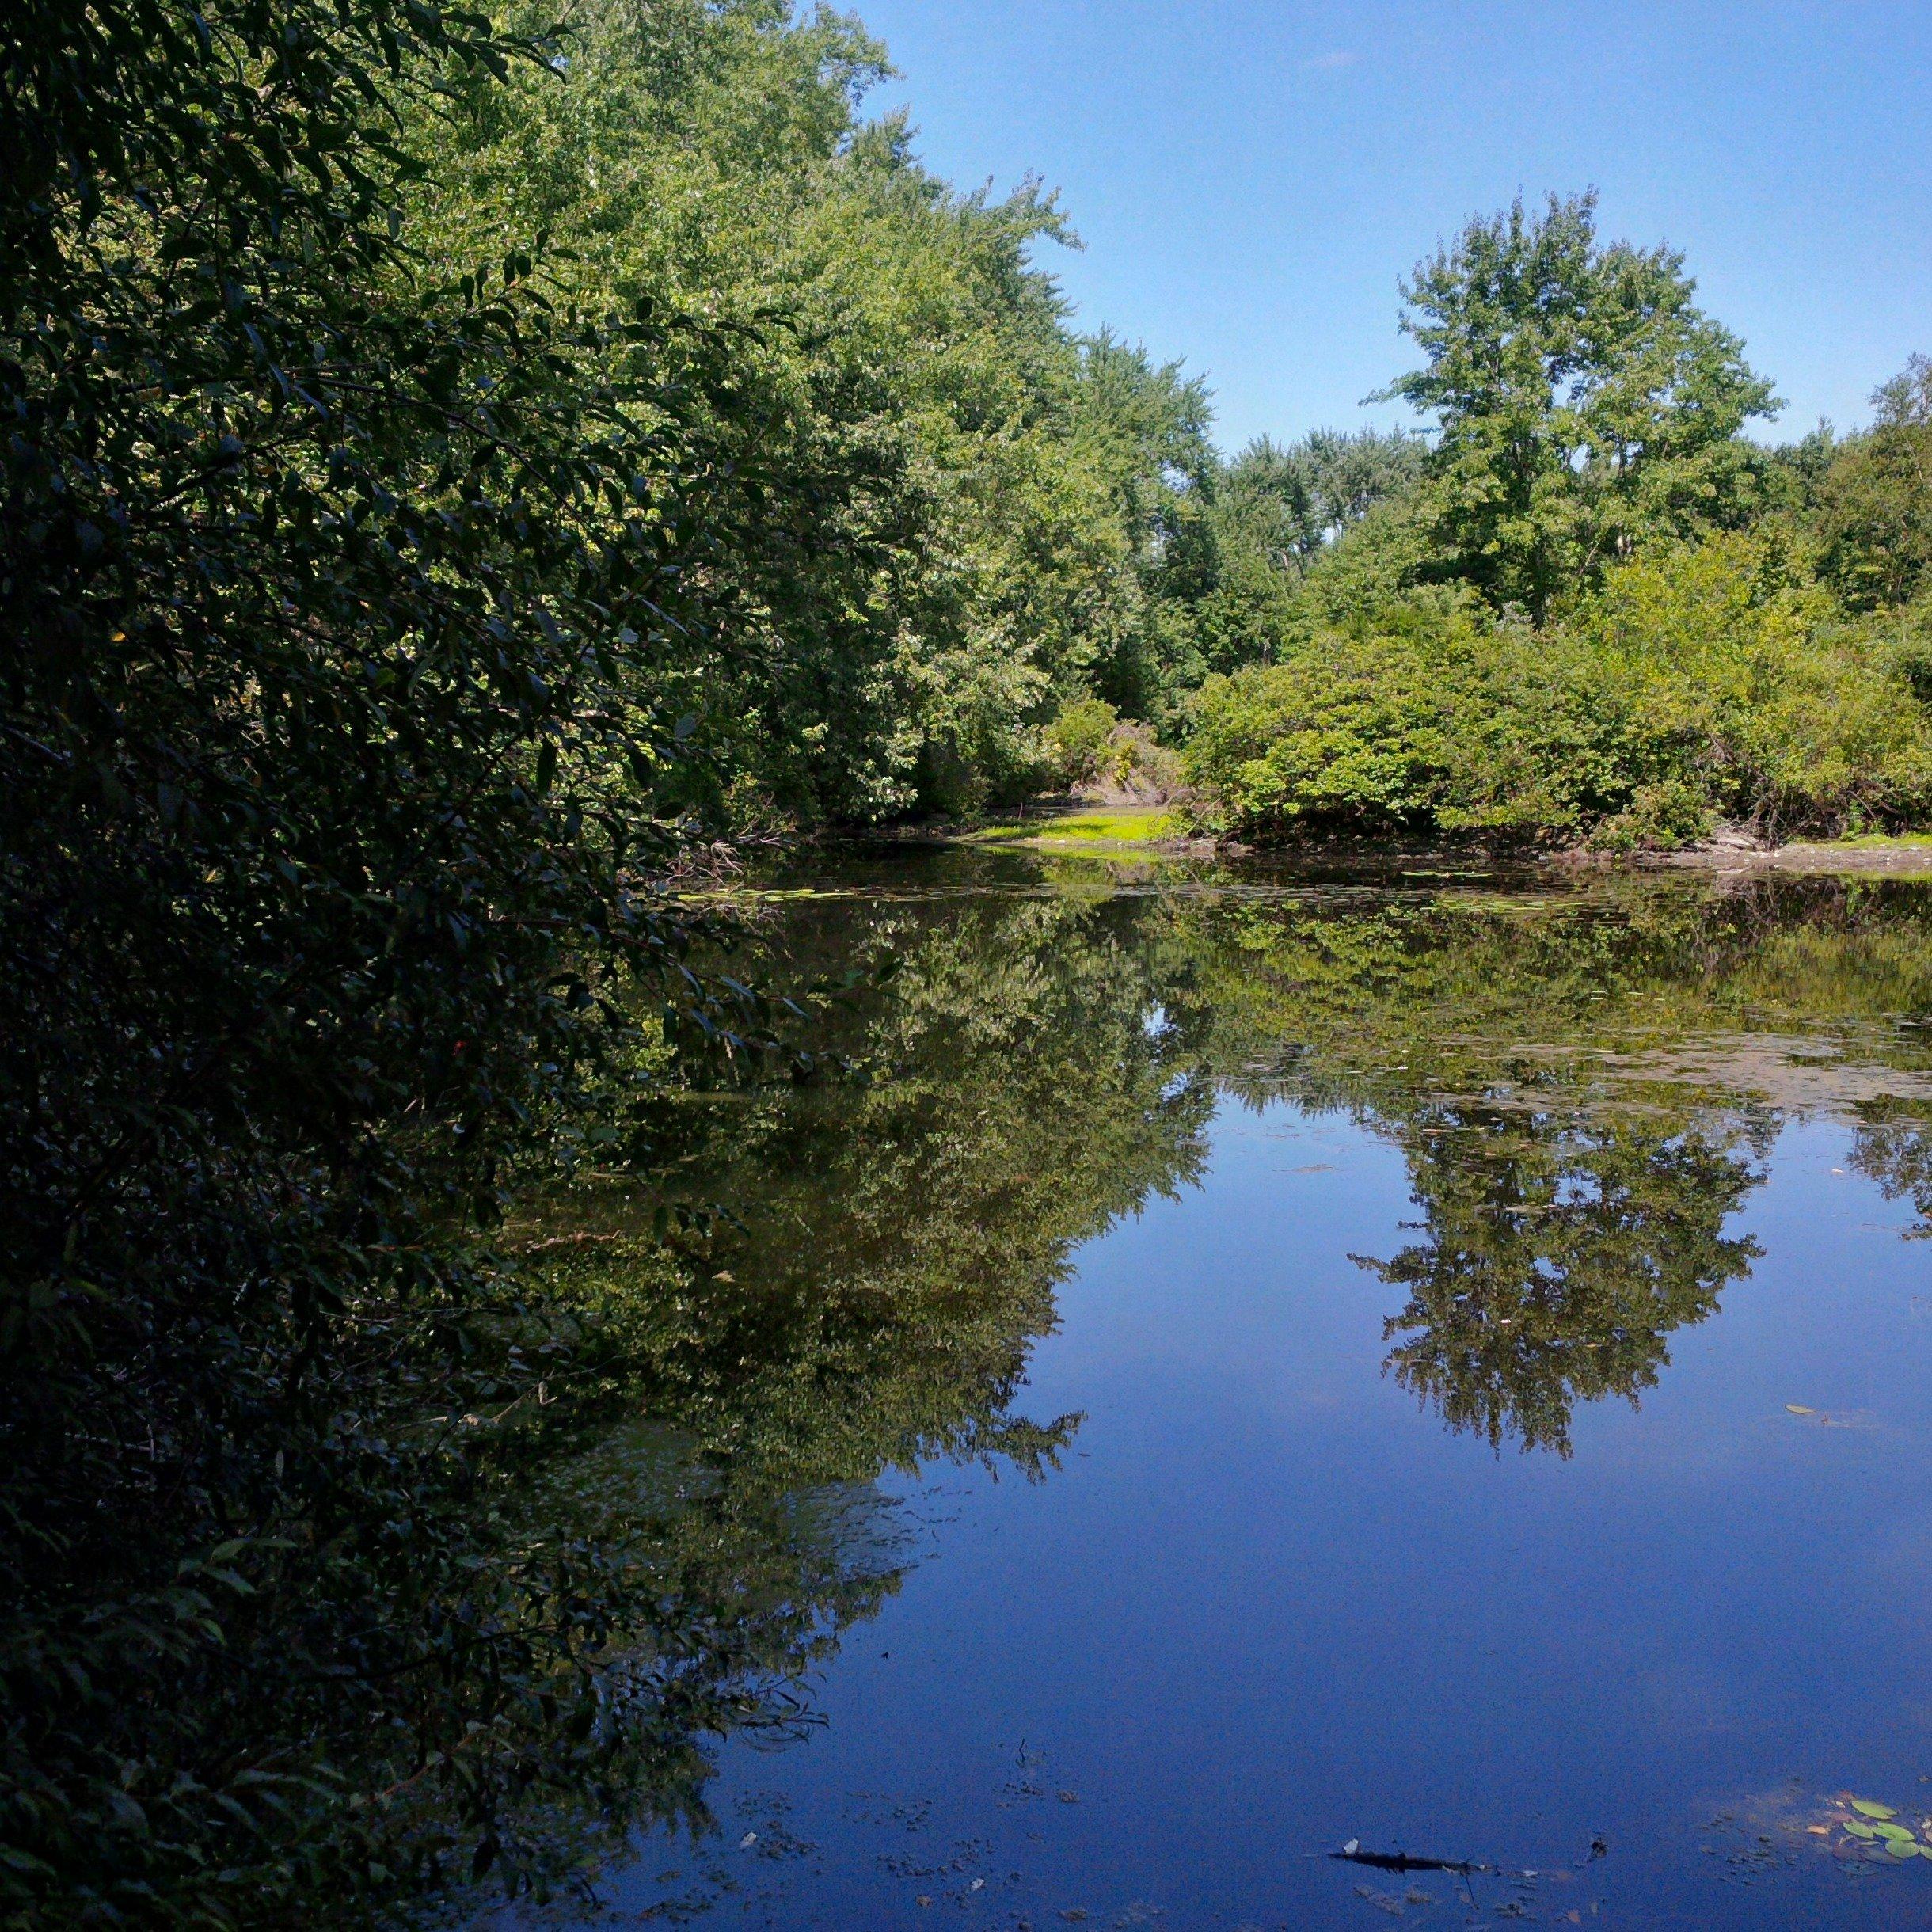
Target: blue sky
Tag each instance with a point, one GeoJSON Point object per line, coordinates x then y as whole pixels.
{"type": "Point", "coordinates": [1250, 180]}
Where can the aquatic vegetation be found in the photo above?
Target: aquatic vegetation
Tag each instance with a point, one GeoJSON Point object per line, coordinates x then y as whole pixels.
{"type": "Point", "coordinates": [1865, 1828]}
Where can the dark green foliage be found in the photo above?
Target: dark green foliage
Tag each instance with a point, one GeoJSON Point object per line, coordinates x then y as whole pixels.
{"type": "Point", "coordinates": [1277, 510]}
{"type": "Point", "coordinates": [1875, 500]}
{"type": "Point", "coordinates": [334, 584]}
{"type": "Point", "coordinates": [378, 580]}
{"type": "Point", "coordinates": [1144, 431]}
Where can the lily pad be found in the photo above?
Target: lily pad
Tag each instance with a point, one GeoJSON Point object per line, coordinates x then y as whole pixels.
{"type": "Point", "coordinates": [1897, 1832]}
{"type": "Point", "coordinates": [1872, 1808]}
{"type": "Point", "coordinates": [1902, 1847]}
{"type": "Point", "coordinates": [1858, 1830]}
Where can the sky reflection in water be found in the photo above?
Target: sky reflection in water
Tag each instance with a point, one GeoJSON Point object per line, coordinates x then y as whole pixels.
{"type": "Point", "coordinates": [1438, 1278]}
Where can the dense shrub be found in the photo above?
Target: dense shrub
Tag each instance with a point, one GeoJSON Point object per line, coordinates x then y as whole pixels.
{"type": "Point", "coordinates": [1705, 683]}
{"type": "Point", "coordinates": [338, 585]}
{"type": "Point", "coordinates": [1090, 747]}
{"type": "Point", "coordinates": [1077, 741]}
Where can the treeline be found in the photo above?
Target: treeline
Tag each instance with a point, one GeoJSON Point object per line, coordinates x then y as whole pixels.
{"type": "Point", "coordinates": [957, 552]}
{"type": "Point", "coordinates": [939, 514]}
{"type": "Point", "coordinates": [1591, 607]}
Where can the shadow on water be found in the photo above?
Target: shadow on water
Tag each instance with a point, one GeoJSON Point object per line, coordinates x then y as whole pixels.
{"type": "Point", "coordinates": [846, 1284]}
{"type": "Point", "coordinates": [1583, 1083]}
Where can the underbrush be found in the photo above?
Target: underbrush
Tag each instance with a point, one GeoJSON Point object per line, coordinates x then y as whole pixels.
{"type": "Point", "coordinates": [1699, 686]}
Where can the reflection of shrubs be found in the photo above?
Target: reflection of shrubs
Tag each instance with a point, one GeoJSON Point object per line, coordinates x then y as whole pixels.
{"type": "Point", "coordinates": [1697, 686]}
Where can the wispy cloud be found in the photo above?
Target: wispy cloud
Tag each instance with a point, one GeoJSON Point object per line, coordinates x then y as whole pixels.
{"type": "Point", "coordinates": [1329, 63]}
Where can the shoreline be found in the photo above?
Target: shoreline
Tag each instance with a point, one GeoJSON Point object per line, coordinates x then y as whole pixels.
{"type": "Point", "coordinates": [1801, 855]}
{"type": "Point", "coordinates": [1124, 827]}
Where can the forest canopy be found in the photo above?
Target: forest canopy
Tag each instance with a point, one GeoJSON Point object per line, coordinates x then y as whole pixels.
{"type": "Point", "coordinates": [959, 522]}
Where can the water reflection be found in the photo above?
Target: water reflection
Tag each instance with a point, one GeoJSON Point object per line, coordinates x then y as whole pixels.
{"type": "Point", "coordinates": [1049, 1058]}
{"type": "Point", "coordinates": [1558, 1254]}
{"type": "Point", "coordinates": [839, 1280]}
{"type": "Point", "coordinates": [1584, 1085]}
{"type": "Point", "coordinates": [1896, 1150]}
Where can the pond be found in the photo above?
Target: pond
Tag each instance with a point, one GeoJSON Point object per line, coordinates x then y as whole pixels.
{"type": "Point", "coordinates": [1231, 1365]}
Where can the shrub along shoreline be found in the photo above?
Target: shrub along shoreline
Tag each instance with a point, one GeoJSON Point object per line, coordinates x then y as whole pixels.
{"type": "Point", "coordinates": [1708, 686]}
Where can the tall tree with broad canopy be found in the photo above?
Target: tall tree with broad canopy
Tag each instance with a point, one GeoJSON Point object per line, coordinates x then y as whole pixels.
{"type": "Point", "coordinates": [1584, 402]}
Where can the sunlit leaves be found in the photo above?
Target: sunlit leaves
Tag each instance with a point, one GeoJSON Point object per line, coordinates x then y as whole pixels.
{"type": "Point", "coordinates": [1584, 402]}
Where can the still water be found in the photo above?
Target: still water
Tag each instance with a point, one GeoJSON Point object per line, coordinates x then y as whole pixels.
{"type": "Point", "coordinates": [1230, 1366]}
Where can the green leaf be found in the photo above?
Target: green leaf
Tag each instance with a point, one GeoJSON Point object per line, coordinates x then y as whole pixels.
{"type": "Point", "coordinates": [1858, 1830]}
{"type": "Point", "coordinates": [1872, 1808]}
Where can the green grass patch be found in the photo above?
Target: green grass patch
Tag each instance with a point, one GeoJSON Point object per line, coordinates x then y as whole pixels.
{"type": "Point", "coordinates": [1116, 825]}
{"type": "Point", "coordinates": [1870, 841]}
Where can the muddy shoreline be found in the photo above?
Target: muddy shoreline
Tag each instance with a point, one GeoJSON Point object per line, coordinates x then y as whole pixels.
{"type": "Point", "coordinates": [1804, 855]}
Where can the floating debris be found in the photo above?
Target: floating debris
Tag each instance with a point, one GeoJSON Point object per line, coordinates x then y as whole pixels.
{"type": "Point", "coordinates": [1402, 1861]}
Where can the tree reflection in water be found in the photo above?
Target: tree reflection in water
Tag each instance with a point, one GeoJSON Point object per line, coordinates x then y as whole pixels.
{"type": "Point", "coordinates": [849, 1282]}
{"type": "Point", "coordinates": [1575, 1169]}
{"type": "Point", "coordinates": [1049, 1057]}
{"type": "Point", "coordinates": [777, 1294]}
{"type": "Point", "coordinates": [1559, 1252]}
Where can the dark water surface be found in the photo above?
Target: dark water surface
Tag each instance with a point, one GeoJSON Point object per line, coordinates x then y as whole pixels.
{"type": "Point", "coordinates": [1242, 1365]}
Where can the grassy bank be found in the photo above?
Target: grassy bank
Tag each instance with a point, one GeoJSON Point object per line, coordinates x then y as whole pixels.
{"type": "Point", "coordinates": [1102, 826]}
